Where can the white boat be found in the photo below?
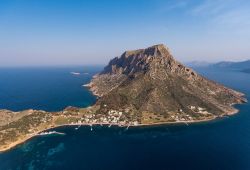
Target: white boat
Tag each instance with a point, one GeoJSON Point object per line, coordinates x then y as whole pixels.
{"type": "Point", "coordinates": [77, 127]}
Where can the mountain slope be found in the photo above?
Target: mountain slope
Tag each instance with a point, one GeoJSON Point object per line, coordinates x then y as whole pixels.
{"type": "Point", "coordinates": [151, 86]}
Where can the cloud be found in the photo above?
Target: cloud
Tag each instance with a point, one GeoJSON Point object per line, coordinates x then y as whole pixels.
{"type": "Point", "coordinates": [173, 5]}
{"type": "Point", "coordinates": [225, 14]}
{"type": "Point", "coordinates": [235, 17]}
{"type": "Point", "coordinates": [177, 4]}
{"type": "Point", "coordinates": [211, 7]}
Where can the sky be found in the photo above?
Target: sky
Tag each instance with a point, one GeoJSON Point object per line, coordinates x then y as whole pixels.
{"type": "Point", "coordinates": [81, 32]}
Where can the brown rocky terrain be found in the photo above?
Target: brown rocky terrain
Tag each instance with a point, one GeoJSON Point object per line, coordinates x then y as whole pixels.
{"type": "Point", "coordinates": [151, 85]}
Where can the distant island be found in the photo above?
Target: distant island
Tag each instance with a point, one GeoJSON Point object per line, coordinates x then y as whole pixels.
{"type": "Point", "coordinates": [243, 66]}
{"type": "Point", "coordinates": [75, 73]}
{"type": "Point", "coordinates": [140, 88]}
{"type": "Point", "coordinates": [246, 70]}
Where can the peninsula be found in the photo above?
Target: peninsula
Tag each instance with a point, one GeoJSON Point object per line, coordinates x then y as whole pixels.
{"type": "Point", "coordinates": [141, 87]}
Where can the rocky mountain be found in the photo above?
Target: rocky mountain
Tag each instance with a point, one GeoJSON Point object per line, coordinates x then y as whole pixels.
{"type": "Point", "coordinates": [151, 86]}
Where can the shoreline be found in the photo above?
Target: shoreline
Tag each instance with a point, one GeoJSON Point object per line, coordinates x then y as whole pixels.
{"type": "Point", "coordinates": [93, 88]}
{"type": "Point", "coordinates": [25, 139]}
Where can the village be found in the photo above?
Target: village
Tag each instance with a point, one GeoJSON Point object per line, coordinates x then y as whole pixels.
{"type": "Point", "coordinates": [112, 117]}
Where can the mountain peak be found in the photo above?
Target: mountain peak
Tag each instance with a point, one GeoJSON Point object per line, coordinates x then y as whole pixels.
{"type": "Point", "coordinates": [139, 60]}
{"type": "Point", "coordinates": [150, 51]}
{"type": "Point", "coordinates": [159, 47]}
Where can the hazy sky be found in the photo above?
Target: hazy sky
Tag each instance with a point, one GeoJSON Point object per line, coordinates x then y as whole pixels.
{"type": "Point", "coordinates": [69, 32]}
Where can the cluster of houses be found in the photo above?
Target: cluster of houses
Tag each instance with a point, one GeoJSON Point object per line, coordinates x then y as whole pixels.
{"type": "Point", "coordinates": [186, 117]}
{"type": "Point", "coordinates": [113, 117]}
{"type": "Point", "coordinates": [181, 117]}
{"type": "Point", "coordinates": [199, 110]}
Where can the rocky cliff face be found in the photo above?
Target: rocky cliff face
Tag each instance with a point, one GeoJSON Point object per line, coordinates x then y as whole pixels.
{"type": "Point", "coordinates": [132, 62]}
{"type": "Point", "coordinates": [151, 85]}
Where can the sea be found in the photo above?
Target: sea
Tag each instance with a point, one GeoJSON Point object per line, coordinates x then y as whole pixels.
{"type": "Point", "coordinates": [222, 144]}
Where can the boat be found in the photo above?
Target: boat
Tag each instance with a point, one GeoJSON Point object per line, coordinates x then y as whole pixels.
{"type": "Point", "coordinates": [77, 127]}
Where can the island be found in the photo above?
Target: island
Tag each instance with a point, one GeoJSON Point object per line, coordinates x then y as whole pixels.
{"type": "Point", "coordinates": [140, 88]}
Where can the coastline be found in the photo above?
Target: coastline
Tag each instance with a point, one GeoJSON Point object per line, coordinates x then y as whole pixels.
{"type": "Point", "coordinates": [92, 88]}
{"type": "Point", "coordinates": [25, 139]}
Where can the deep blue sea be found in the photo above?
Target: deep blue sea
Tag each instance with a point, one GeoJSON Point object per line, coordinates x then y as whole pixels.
{"type": "Point", "coordinates": [46, 88]}
{"type": "Point", "coordinates": [217, 145]}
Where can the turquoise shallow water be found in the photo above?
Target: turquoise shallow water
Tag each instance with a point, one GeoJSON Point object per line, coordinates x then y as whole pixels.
{"type": "Point", "coordinates": [221, 144]}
